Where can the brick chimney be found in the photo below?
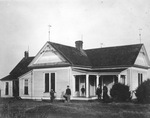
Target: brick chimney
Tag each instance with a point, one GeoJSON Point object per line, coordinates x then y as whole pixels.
{"type": "Point", "coordinates": [79, 45]}
{"type": "Point", "coordinates": [26, 54]}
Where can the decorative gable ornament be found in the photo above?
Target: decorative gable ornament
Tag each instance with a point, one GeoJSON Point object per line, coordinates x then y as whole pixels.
{"type": "Point", "coordinates": [48, 56]}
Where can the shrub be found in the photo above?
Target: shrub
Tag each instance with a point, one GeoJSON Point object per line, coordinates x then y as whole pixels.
{"type": "Point", "coordinates": [143, 92]}
{"type": "Point", "coordinates": [120, 92]}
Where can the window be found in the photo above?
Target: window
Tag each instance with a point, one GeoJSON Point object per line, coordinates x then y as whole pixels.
{"type": "Point", "coordinates": [26, 86]}
{"type": "Point", "coordinates": [123, 79]}
{"type": "Point", "coordinates": [140, 78]}
{"type": "Point", "coordinates": [77, 83]}
{"type": "Point", "coordinates": [49, 81]}
{"type": "Point", "coordinates": [53, 81]}
{"type": "Point", "coordinates": [6, 89]}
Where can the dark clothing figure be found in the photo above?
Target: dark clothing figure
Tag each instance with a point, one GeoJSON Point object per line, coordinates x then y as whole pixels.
{"type": "Point", "coordinates": [67, 95]}
{"type": "Point", "coordinates": [99, 92]}
{"type": "Point", "coordinates": [52, 95]}
{"type": "Point", "coordinates": [82, 91]}
{"type": "Point", "coordinates": [68, 91]}
{"type": "Point", "coordinates": [105, 95]}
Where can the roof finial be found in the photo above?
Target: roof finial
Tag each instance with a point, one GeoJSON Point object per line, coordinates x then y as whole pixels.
{"type": "Point", "coordinates": [49, 32]}
{"type": "Point", "coordinates": [140, 34]}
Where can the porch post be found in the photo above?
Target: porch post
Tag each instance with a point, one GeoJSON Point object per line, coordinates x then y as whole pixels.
{"type": "Point", "coordinates": [113, 80]}
{"type": "Point", "coordinates": [119, 78]}
{"type": "Point", "coordinates": [87, 85]}
{"type": "Point", "coordinates": [97, 80]}
{"type": "Point", "coordinates": [102, 81]}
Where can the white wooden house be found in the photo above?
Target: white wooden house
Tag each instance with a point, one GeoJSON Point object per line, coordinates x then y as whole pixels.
{"type": "Point", "coordinates": [56, 66]}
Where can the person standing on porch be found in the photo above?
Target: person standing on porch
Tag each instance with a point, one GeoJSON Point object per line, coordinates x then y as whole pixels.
{"type": "Point", "coordinates": [99, 92]}
{"type": "Point", "coordinates": [82, 90]}
{"type": "Point", "coordinates": [105, 95]}
{"type": "Point", "coordinates": [68, 93]}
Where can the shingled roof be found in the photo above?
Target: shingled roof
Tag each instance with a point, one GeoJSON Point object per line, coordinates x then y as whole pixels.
{"type": "Point", "coordinates": [114, 56]}
{"type": "Point", "coordinates": [119, 56]}
{"type": "Point", "coordinates": [20, 69]}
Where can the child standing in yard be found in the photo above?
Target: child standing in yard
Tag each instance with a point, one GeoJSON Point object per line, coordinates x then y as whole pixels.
{"type": "Point", "coordinates": [52, 95]}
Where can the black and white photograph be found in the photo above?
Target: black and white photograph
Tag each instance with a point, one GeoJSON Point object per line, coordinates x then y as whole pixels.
{"type": "Point", "coordinates": [74, 59]}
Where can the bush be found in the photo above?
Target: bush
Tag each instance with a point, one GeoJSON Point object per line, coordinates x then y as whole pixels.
{"type": "Point", "coordinates": [143, 92]}
{"type": "Point", "coordinates": [120, 92]}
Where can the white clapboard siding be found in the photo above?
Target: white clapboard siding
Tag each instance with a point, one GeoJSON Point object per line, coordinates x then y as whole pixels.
{"type": "Point", "coordinates": [21, 86]}
{"type": "Point", "coordinates": [135, 72]}
{"type": "Point", "coordinates": [62, 79]}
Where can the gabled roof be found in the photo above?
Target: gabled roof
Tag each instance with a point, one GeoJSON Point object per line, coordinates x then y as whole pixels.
{"type": "Point", "coordinates": [20, 69]}
{"type": "Point", "coordinates": [120, 56]}
{"type": "Point", "coordinates": [110, 57]}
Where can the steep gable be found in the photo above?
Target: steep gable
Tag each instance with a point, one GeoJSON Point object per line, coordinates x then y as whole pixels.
{"type": "Point", "coordinates": [142, 58]}
{"type": "Point", "coordinates": [48, 56]}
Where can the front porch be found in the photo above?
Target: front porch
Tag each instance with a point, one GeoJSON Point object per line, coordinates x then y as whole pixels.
{"type": "Point", "coordinates": [91, 81]}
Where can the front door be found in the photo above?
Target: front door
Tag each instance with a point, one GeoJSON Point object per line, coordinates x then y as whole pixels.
{"type": "Point", "coordinates": [15, 88]}
{"type": "Point", "coordinates": [80, 81]}
{"type": "Point", "coordinates": [92, 85]}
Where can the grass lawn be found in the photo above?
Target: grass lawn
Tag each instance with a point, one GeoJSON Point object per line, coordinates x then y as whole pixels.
{"type": "Point", "coordinates": [11, 108]}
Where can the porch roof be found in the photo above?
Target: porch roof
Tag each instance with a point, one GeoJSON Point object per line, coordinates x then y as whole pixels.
{"type": "Point", "coordinates": [103, 70]}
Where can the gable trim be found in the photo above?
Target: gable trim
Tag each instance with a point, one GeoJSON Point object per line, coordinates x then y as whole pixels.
{"type": "Point", "coordinates": [61, 53]}
{"type": "Point", "coordinates": [48, 64]}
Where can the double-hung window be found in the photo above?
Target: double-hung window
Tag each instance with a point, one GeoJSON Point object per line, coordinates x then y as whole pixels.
{"type": "Point", "coordinates": [26, 87]}
{"type": "Point", "coordinates": [77, 83]}
{"type": "Point", "coordinates": [123, 77]}
{"type": "Point", "coordinates": [7, 88]}
{"type": "Point", "coordinates": [49, 82]}
{"type": "Point", "coordinates": [140, 78]}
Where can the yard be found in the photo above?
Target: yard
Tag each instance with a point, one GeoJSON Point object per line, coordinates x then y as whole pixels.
{"type": "Point", "coordinates": [11, 108]}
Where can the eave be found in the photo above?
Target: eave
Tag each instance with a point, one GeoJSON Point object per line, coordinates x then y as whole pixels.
{"type": "Point", "coordinates": [140, 66]}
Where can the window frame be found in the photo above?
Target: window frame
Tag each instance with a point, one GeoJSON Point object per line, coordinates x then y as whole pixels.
{"type": "Point", "coordinates": [77, 81]}
{"type": "Point", "coordinates": [50, 83]}
{"type": "Point", "coordinates": [26, 86]}
{"type": "Point", "coordinates": [123, 79]}
{"type": "Point", "coordinates": [7, 88]}
{"type": "Point", "coordinates": [140, 78]}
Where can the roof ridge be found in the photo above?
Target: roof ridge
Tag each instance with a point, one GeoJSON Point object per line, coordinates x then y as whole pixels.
{"type": "Point", "coordinates": [113, 47]}
{"type": "Point", "coordinates": [61, 44]}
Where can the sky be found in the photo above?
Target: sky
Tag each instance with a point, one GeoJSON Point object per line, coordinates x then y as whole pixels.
{"type": "Point", "coordinates": [24, 25]}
